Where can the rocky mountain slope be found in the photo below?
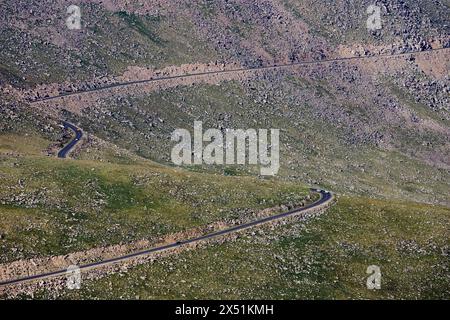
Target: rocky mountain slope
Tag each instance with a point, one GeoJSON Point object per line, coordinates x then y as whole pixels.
{"type": "Point", "coordinates": [367, 117]}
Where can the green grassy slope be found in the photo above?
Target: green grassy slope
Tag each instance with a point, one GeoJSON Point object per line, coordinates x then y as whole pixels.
{"type": "Point", "coordinates": [324, 140]}
{"type": "Point", "coordinates": [52, 206]}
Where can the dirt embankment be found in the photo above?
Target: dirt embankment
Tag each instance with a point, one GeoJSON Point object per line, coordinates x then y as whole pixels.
{"type": "Point", "coordinates": [169, 77]}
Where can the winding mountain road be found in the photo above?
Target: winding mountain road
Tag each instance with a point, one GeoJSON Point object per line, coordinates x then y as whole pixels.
{"type": "Point", "coordinates": [325, 199]}
{"type": "Point", "coordinates": [78, 134]}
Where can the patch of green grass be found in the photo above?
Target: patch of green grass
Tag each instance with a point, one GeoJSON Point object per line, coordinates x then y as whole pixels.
{"type": "Point", "coordinates": [422, 110]}
{"type": "Point", "coordinates": [207, 8]}
{"type": "Point", "coordinates": [140, 25]}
